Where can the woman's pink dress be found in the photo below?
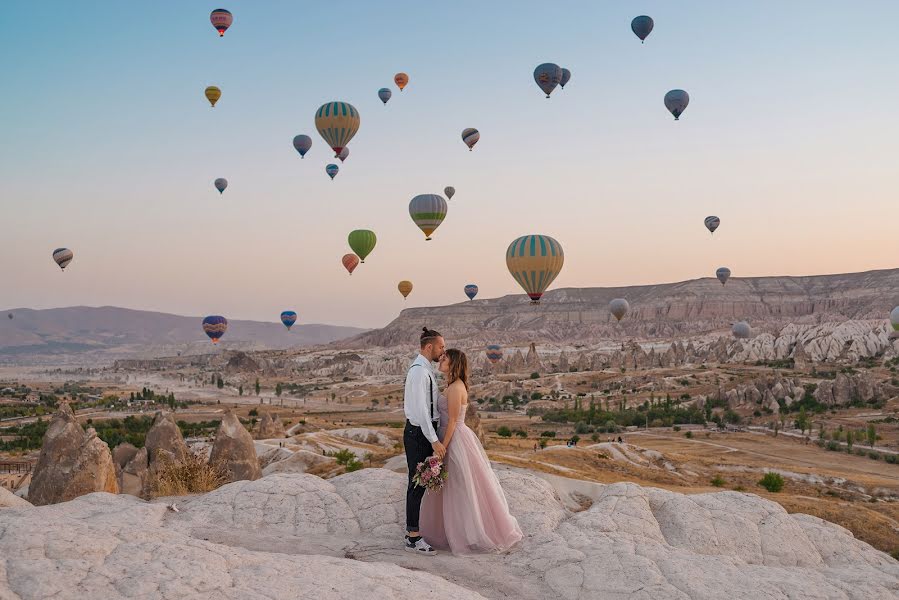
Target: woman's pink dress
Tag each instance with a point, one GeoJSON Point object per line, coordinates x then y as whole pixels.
{"type": "Point", "coordinates": [470, 514]}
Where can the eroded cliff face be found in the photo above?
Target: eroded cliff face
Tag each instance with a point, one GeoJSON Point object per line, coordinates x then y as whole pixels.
{"type": "Point", "coordinates": [662, 311]}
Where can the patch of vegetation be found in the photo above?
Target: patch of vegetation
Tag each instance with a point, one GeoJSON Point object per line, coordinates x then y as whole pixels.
{"type": "Point", "coordinates": [504, 431]}
{"type": "Point", "coordinates": [190, 475]}
{"type": "Point", "coordinates": [718, 481]}
{"type": "Point", "coordinates": [535, 375]}
{"type": "Point", "coordinates": [689, 435]}
{"type": "Point", "coordinates": [772, 482]}
{"type": "Point", "coordinates": [548, 434]}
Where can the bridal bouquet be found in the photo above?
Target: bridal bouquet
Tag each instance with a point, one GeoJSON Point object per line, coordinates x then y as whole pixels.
{"type": "Point", "coordinates": [430, 474]}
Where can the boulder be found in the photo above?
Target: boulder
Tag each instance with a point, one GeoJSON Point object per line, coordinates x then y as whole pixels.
{"type": "Point", "coordinates": [123, 453]}
{"type": "Point", "coordinates": [165, 435]}
{"type": "Point", "coordinates": [133, 476]}
{"type": "Point", "coordinates": [473, 421]}
{"type": "Point", "coordinates": [234, 450]}
{"type": "Point", "coordinates": [72, 462]}
{"type": "Point", "coordinates": [299, 462]}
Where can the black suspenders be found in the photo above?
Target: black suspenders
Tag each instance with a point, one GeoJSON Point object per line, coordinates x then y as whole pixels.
{"type": "Point", "coordinates": [430, 390]}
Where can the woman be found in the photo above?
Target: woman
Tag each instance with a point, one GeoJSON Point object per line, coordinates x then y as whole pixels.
{"type": "Point", "coordinates": [470, 514]}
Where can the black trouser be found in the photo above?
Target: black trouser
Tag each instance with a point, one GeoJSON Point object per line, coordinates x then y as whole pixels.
{"type": "Point", "coordinates": [418, 448]}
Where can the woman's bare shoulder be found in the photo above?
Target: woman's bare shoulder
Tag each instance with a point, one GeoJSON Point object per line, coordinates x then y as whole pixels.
{"type": "Point", "coordinates": [457, 390]}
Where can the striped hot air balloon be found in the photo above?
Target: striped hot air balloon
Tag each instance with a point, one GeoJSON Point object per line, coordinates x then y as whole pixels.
{"type": "Point", "coordinates": [302, 144]}
{"type": "Point", "coordinates": [288, 317]}
{"type": "Point", "coordinates": [221, 19]}
{"type": "Point", "coordinates": [350, 262]}
{"type": "Point", "coordinates": [213, 94]}
{"type": "Point", "coordinates": [723, 274]}
{"type": "Point", "coordinates": [494, 353]}
{"type": "Point", "coordinates": [384, 94]}
{"type": "Point", "coordinates": [215, 327]}
{"type": "Point", "coordinates": [62, 257]}
{"type": "Point", "coordinates": [362, 242]}
{"type": "Point", "coordinates": [428, 212]}
{"type": "Point", "coordinates": [566, 77]}
{"type": "Point", "coordinates": [470, 136]}
{"type": "Point", "coordinates": [332, 170]}
{"type": "Point", "coordinates": [534, 261]}
{"type": "Point", "coordinates": [337, 122]}
{"type": "Point", "coordinates": [471, 290]}
{"type": "Point", "coordinates": [405, 288]}
{"type": "Point", "coordinates": [712, 223]}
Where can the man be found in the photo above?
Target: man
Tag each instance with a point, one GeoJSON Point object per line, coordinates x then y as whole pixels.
{"type": "Point", "coordinates": [420, 434]}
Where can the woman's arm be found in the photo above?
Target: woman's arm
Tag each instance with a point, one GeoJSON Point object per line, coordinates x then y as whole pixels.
{"type": "Point", "coordinates": [454, 402]}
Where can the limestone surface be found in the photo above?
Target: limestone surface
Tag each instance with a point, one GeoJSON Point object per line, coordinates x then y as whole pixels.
{"type": "Point", "coordinates": [296, 535]}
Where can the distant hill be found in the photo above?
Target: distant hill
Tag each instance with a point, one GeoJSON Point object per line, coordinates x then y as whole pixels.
{"type": "Point", "coordinates": [662, 311]}
{"type": "Point", "coordinates": [116, 332]}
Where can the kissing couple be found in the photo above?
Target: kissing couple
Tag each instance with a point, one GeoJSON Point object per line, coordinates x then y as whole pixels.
{"type": "Point", "coordinates": [469, 513]}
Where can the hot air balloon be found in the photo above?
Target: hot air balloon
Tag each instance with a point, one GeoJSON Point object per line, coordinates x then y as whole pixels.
{"type": "Point", "coordinates": [343, 154]}
{"type": "Point", "coordinates": [221, 19]}
{"type": "Point", "coordinates": [494, 353]}
{"type": "Point", "coordinates": [619, 307]}
{"type": "Point", "coordinates": [548, 76]}
{"type": "Point", "coordinates": [894, 318]}
{"type": "Point", "coordinates": [332, 170]}
{"type": "Point", "coordinates": [288, 317]}
{"type": "Point", "coordinates": [470, 136]}
{"type": "Point", "coordinates": [63, 256]}
{"type": "Point", "coordinates": [723, 274]}
{"type": "Point", "coordinates": [401, 79]}
{"type": "Point", "coordinates": [676, 102]}
{"type": "Point", "coordinates": [642, 26]}
{"type": "Point", "coordinates": [566, 76]}
{"type": "Point", "coordinates": [337, 122]}
{"type": "Point", "coordinates": [215, 327]}
{"type": "Point", "coordinates": [405, 288]}
{"type": "Point", "coordinates": [712, 223]}
{"type": "Point", "coordinates": [213, 94]}
{"type": "Point", "coordinates": [450, 191]}
{"type": "Point", "coordinates": [471, 290]}
{"type": "Point", "coordinates": [384, 94]}
{"type": "Point", "coordinates": [362, 242]}
{"type": "Point", "coordinates": [302, 143]}
{"type": "Point", "coordinates": [428, 212]}
{"type": "Point", "coordinates": [220, 184]}
{"type": "Point", "coordinates": [534, 261]}
{"type": "Point", "coordinates": [741, 330]}
{"type": "Point", "coordinates": [350, 262]}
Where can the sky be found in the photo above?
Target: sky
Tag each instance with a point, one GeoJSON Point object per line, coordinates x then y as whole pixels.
{"type": "Point", "coordinates": [110, 148]}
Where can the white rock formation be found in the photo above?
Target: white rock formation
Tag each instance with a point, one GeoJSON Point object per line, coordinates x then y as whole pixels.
{"type": "Point", "coordinates": [10, 500]}
{"type": "Point", "coordinates": [289, 536]}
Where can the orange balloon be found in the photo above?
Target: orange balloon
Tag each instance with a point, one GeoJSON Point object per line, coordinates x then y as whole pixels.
{"type": "Point", "coordinates": [401, 79]}
{"type": "Point", "coordinates": [350, 262]}
{"type": "Point", "coordinates": [405, 288]}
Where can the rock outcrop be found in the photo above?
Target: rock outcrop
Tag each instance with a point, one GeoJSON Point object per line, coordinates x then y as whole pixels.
{"type": "Point", "coordinates": [270, 427]}
{"type": "Point", "coordinates": [10, 500]}
{"type": "Point", "coordinates": [72, 462]}
{"type": "Point", "coordinates": [133, 476]}
{"type": "Point", "coordinates": [234, 450]}
{"type": "Point", "coordinates": [165, 435]}
{"type": "Point", "coordinates": [302, 536]}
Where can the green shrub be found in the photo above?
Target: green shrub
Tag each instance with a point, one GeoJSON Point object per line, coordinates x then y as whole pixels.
{"type": "Point", "coordinates": [535, 375]}
{"type": "Point", "coordinates": [521, 433]}
{"type": "Point", "coordinates": [832, 446]}
{"type": "Point", "coordinates": [772, 482]}
{"type": "Point", "coordinates": [575, 439]}
{"type": "Point", "coordinates": [689, 435]}
{"type": "Point", "coordinates": [536, 396]}
{"type": "Point", "coordinates": [504, 431]}
{"type": "Point", "coordinates": [676, 428]}
{"type": "Point", "coordinates": [718, 481]}
{"type": "Point", "coordinates": [548, 434]}
{"type": "Point", "coordinates": [873, 455]}
{"type": "Point", "coordinates": [542, 442]}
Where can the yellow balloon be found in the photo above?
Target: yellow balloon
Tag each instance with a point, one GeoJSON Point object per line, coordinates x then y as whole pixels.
{"type": "Point", "coordinates": [401, 79]}
{"type": "Point", "coordinates": [405, 288]}
{"type": "Point", "coordinates": [213, 94]}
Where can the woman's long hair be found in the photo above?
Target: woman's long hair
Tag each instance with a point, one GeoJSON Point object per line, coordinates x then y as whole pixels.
{"type": "Point", "coordinates": [458, 366]}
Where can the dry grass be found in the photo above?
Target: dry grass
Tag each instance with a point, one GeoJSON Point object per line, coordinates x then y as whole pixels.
{"type": "Point", "coordinates": [192, 475]}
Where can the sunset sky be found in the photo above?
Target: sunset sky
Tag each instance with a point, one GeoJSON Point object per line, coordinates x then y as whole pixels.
{"type": "Point", "coordinates": [110, 148]}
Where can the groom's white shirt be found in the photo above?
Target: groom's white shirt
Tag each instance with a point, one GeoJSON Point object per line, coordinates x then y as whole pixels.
{"type": "Point", "coordinates": [421, 382]}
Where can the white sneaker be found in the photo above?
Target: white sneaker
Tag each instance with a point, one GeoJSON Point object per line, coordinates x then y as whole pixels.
{"type": "Point", "coordinates": [419, 547]}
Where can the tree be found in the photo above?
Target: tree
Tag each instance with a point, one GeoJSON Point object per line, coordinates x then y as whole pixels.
{"type": "Point", "coordinates": [278, 389]}
{"type": "Point", "coordinates": [240, 390]}
{"type": "Point", "coordinates": [872, 434]}
{"type": "Point", "coordinates": [220, 383]}
{"type": "Point", "coordinates": [504, 431]}
{"type": "Point", "coordinates": [849, 441]}
{"type": "Point", "coordinates": [258, 388]}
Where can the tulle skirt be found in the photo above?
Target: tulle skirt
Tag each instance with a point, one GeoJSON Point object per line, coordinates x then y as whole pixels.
{"type": "Point", "coordinates": [470, 514]}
